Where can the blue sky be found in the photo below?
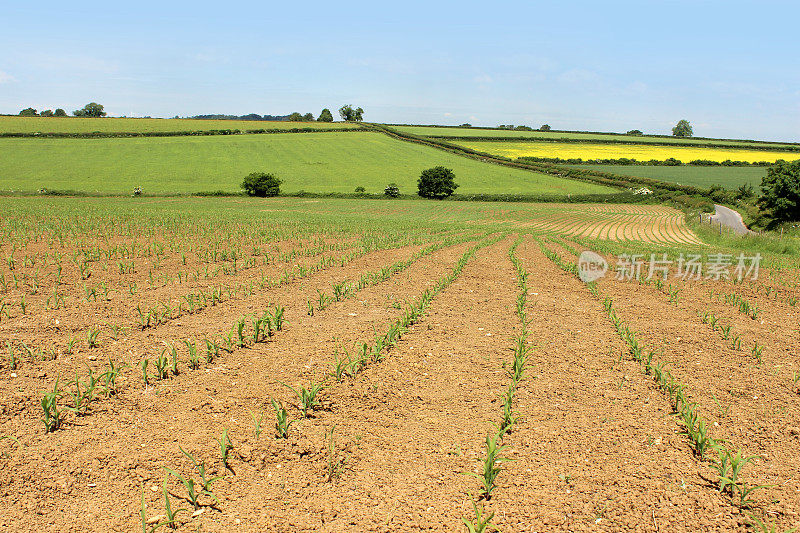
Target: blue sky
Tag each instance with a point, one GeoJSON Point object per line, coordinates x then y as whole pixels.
{"type": "Point", "coordinates": [730, 68]}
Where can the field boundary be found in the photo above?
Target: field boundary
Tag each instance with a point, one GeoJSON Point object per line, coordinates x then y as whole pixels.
{"type": "Point", "coordinates": [187, 133]}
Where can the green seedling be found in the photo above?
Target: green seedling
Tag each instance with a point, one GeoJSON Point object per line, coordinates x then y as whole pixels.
{"type": "Point", "coordinates": [335, 464]}
{"type": "Point", "coordinates": [173, 355]}
{"type": "Point", "coordinates": [170, 520]}
{"type": "Point", "coordinates": [756, 351]}
{"type": "Point", "coordinates": [9, 437]}
{"type": "Point", "coordinates": [205, 481]}
{"type": "Point", "coordinates": [240, 333]}
{"type": "Point", "coordinates": [161, 366]}
{"type": "Point", "coordinates": [12, 357]}
{"type": "Point", "coordinates": [277, 317]}
{"type": "Point", "coordinates": [491, 464]}
{"type": "Point", "coordinates": [109, 377]}
{"type": "Point", "coordinates": [282, 421]}
{"type": "Point", "coordinates": [143, 365]}
{"type": "Point", "coordinates": [509, 416]}
{"type": "Point", "coordinates": [258, 422]}
{"type": "Point", "coordinates": [481, 522]}
{"type": "Point", "coordinates": [91, 337]}
{"type": "Point", "coordinates": [307, 398]}
{"type": "Point", "coordinates": [339, 368]}
{"type": "Point", "coordinates": [761, 527]}
{"type": "Point", "coordinates": [52, 416]}
{"type": "Point", "coordinates": [225, 448]}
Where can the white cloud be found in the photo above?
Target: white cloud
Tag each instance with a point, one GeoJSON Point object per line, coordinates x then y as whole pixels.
{"type": "Point", "coordinates": [5, 77]}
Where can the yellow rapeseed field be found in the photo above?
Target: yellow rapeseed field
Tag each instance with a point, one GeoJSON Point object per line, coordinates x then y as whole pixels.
{"type": "Point", "coordinates": [639, 152]}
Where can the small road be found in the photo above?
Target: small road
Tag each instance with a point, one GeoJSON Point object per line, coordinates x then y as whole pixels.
{"type": "Point", "coordinates": [730, 218]}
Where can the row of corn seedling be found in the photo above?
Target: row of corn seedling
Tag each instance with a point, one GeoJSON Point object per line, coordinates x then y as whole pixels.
{"type": "Point", "coordinates": [491, 463]}
{"type": "Point", "coordinates": [728, 464]}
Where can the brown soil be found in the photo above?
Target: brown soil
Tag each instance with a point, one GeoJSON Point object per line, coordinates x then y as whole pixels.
{"type": "Point", "coordinates": [595, 449]}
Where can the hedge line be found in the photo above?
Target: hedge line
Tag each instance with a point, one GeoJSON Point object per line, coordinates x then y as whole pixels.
{"type": "Point", "coordinates": [112, 134]}
{"type": "Point", "coordinates": [670, 162]}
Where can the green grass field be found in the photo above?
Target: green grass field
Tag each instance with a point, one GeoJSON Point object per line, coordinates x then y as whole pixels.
{"type": "Point", "coordinates": [142, 125]}
{"type": "Point", "coordinates": [426, 131]}
{"type": "Point", "coordinates": [330, 162]}
{"type": "Point", "coordinates": [728, 177]}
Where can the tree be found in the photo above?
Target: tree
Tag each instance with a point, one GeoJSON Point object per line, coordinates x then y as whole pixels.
{"type": "Point", "coordinates": [90, 110]}
{"type": "Point", "coordinates": [436, 182]}
{"type": "Point", "coordinates": [682, 129]}
{"type": "Point", "coordinates": [351, 115]}
{"type": "Point", "coordinates": [46, 113]}
{"type": "Point", "coordinates": [28, 112]}
{"type": "Point", "coordinates": [780, 191]}
{"type": "Point", "coordinates": [60, 113]}
{"type": "Point", "coordinates": [544, 127]}
{"type": "Point", "coordinates": [634, 132]}
{"type": "Point", "coordinates": [295, 117]}
{"type": "Point", "coordinates": [261, 184]}
{"type": "Point", "coordinates": [325, 116]}
{"type": "Point", "coordinates": [308, 117]}
{"type": "Point", "coordinates": [466, 125]}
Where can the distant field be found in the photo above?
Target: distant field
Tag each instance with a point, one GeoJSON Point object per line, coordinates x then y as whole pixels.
{"type": "Point", "coordinates": [106, 125]}
{"type": "Point", "coordinates": [587, 151]}
{"type": "Point", "coordinates": [333, 162]}
{"type": "Point", "coordinates": [552, 135]}
{"type": "Point", "coordinates": [728, 177]}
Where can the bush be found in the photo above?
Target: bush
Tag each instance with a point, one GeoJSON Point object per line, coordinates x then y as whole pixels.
{"type": "Point", "coordinates": [360, 189]}
{"type": "Point", "coordinates": [261, 184]}
{"type": "Point", "coordinates": [436, 182]}
{"type": "Point", "coordinates": [544, 127]}
{"type": "Point", "coordinates": [392, 190]}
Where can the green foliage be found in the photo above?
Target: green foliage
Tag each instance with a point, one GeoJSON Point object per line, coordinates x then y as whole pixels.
{"type": "Point", "coordinates": [780, 191]}
{"type": "Point", "coordinates": [392, 190]}
{"type": "Point", "coordinates": [262, 184]}
{"type": "Point", "coordinates": [92, 109]}
{"type": "Point", "coordinates": [682, 129]}
{"type": "Point", "coordinates": [28, 112]}
{"type": "Point", "coordinates": [544, 127]}
{"type": "Point", "coordinates": [437, 182]}
{"type": "Point", "coordinates": [349, 114]}
{"type": "Point", "coordinates": [60, 113]}
{"type": "Point", "coordinates": [295, 117]}
{"type": "Point", "coordinates": [46, 113]}
{"type": "Point", "coordinates": [634, 132]}
{"type": "Point", "coordinates": [325, 116]}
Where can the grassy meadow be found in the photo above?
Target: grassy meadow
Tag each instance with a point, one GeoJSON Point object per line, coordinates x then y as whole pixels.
{"type": "Point", "coordinates": [728, 177]}
{"type": "Point", "coordinates": [14, 124]}
{"type": "Point", "coordinates": [330, 162]}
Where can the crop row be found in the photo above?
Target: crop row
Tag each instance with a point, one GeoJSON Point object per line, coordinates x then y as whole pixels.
{"type": "Point", "coordinates": [728, 464]}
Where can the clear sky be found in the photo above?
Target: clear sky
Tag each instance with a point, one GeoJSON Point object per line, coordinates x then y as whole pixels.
{"type": "Point", "coordinates": [731, 68]}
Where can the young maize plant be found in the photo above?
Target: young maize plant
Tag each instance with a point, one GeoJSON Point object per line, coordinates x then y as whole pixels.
{"type": "Point", "coordinates": [481, 522]}
{"type": "Point", "coordinates": [258, 422]}
{"type": "Point", "coordinates": [509, 416]}
{"type": "Point", "coordinates": [11, 438]}
{"type": "Point", "coordinates": [83, 394]}
{"type": "Point", "coordinates": [335, 464]}
{"type": "Point", "coordinates": [306, 398]}
{"type": "Point", "coordinates": [205, 481]}
{"type": "Point", "coordinates": [225, 447]}
{"type": "Point", "coordinates": [52, 416]}
{"type": "Point", "coordinates": [91, 337]}
{"type": "Point", "coordinates": [161, 366]}
{"type": "Point", "coordinates": [143, 364]}
{"type": "Point", "coordinates": [491, 464]}
{"type": "Point", "coordinates": [282, 421]}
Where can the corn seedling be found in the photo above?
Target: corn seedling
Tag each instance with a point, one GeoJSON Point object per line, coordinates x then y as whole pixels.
{"type": "Point", "coordinates": [171, 515]}
{"type": "Point", "coordinates": [491, 464]}
{"type": "Point", "coordinates": [161, 366]}
{"type": "Point", "coordinates": [83, 394]}
{"type": "Point", "coordinates": [91, 337]}
{"type": "Point", "coordinates": [258, 422]}
{"type": "Point", "coordinates": [756, 351]}
{"type": "Point", "coordinates": [173, 356]}
{"type": "Point", "coordinates": [339, 368]}
{"type": "Point", "coordinates": [240, 333]}
{"type": "Point", "coordinates": [481, 522]}
{"type": "Point", "coordinates": [205, 481]}
{"type": "Point", "coordinates": [109, 377]}
{"type": "Point", "coordinates": [509, 416]}
{"type": "Point", "coordinates": [306, 398]}
{"type": "Point", "coordinates": [11, 438]}
{"type": "Point", "coordinates": [225, 448]}
{"type": "Point", "coordinates": [52, 416]}
{"type": "Point", "coordinates": [212, 351]}
{"type": "Point", "coordinates": [12, 357]}
{"type": "Point", "coordinates": [758, 525]}
{"type": "Point", "coordinates": [277, 317]}
{"type": "Point", "coordinates": [335, 464]}
{"type": "Point", "coordinates": [282, 421]}
{"type": "Point", "coordinates": [143, 365]}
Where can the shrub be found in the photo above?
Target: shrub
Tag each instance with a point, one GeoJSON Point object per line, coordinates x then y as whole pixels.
{"type": "Point", "coordinates": [360, 189]}
{"type": "Point", "coordinates": [544, 127]}
{"type": "Point", "coordinates": [392, 190]}
{"type": "Point", "coordinates": [436, 182]}
{"type": "Point", "coordinates": [261, 184]}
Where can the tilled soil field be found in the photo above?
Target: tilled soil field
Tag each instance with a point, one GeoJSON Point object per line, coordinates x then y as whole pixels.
{"type": "Point", "coordinates": [420, 382]}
